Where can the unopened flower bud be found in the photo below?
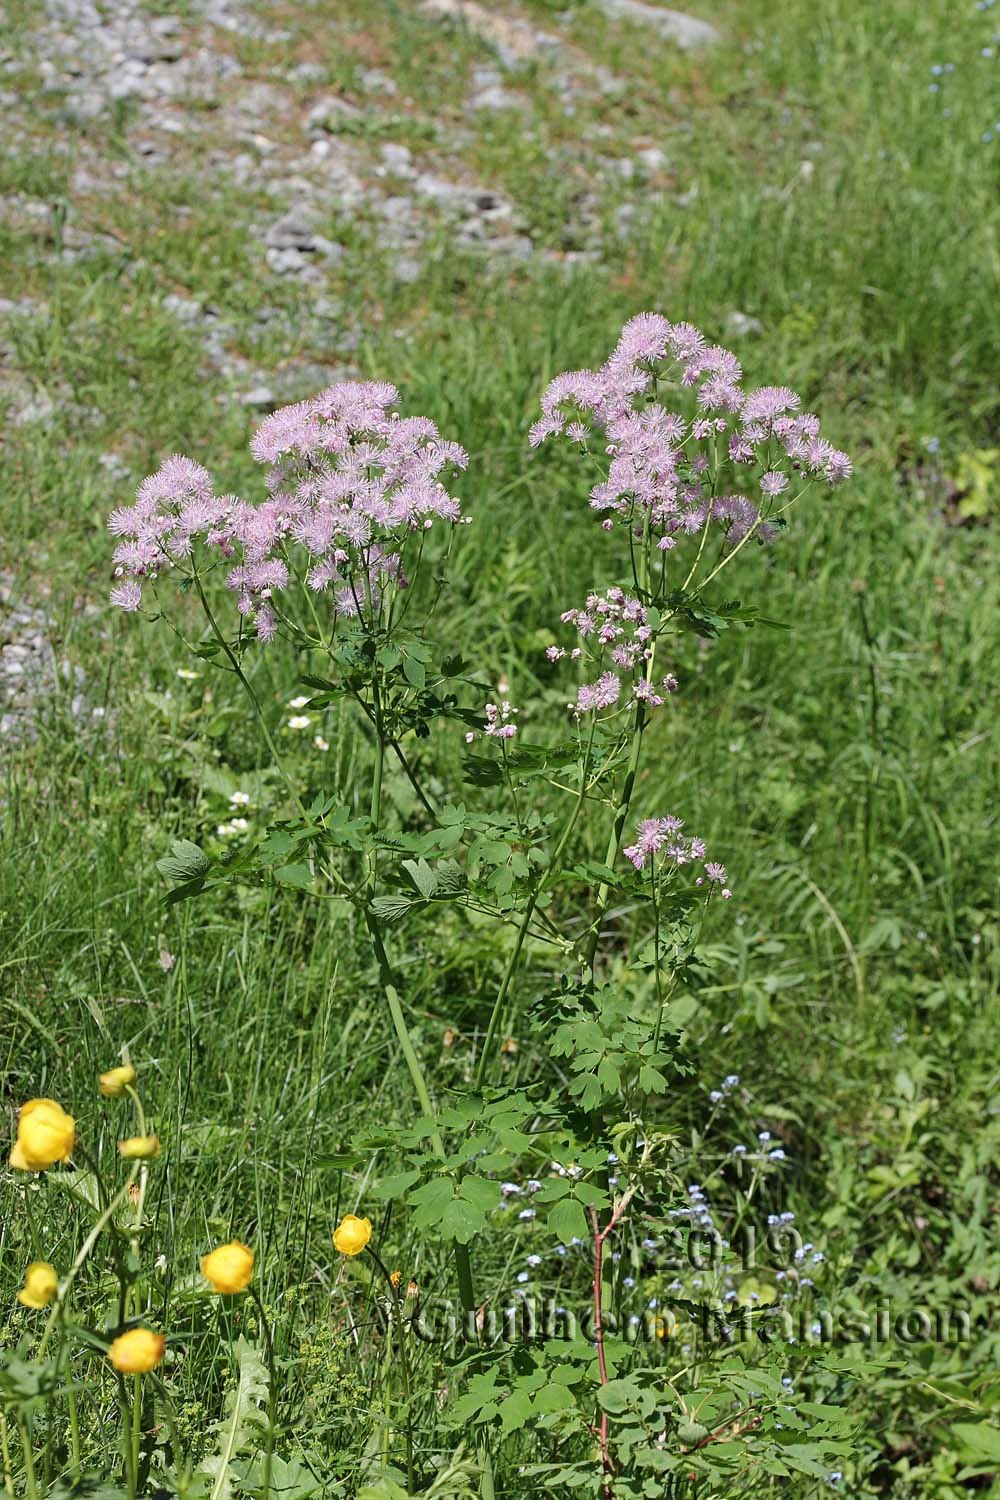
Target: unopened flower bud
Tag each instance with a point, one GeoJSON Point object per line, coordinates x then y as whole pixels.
{"type": "Point", "coordinates": [139, 1147]}
{"type": "Point", "coordinates": [114, 1083]}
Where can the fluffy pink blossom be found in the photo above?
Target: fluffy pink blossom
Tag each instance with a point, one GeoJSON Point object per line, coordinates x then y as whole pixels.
{"type": "Point", "coordinates": [658, 474]}
{"type": "Point", "coordinates": [348, 479]}
{"type": "Point", "coordinates": [664, 835]}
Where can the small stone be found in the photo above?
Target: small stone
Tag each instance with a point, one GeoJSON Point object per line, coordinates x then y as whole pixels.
{"type": "Point", "coordinates": [262, 398]}
{"type": "Point", "coordinates": [652, 158]}
{"type": "Point", "coordinates": [293, 231]}
{"type": "Point", "coordinates": [397, 159]}
{"type": "Point", "coordinates": [739, 325]}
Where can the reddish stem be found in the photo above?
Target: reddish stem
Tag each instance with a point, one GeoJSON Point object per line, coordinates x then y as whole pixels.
{"type": "Point", "coordinates": [599, 1337]}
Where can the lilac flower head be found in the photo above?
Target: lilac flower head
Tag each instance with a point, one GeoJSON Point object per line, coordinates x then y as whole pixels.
{"type": "Point", "coordinates": [348, 482]}
{"type": "Point", "coordinates": [654, 835]}
{"type": "Point", "coordinates": [657, 478]}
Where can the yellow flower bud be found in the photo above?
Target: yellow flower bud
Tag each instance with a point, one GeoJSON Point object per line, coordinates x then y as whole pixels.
{"type": "Point", "coordinates": [396, 1277]}
{"type": "Point", "coordinates": [139, 1147]}
{"type": "Point", "coordinates": [228, 1268]}
{"type": "Point", "coordinates": [136, 1352]}
{"type": "Point", "coordinates": [41, 1282]}
{"type": "Point", "coordinates": [45, 1134]}
{"type": "Point", "coordinates": [114, 1083]}
{"type": "Point", "coordinates": [352, 1235]}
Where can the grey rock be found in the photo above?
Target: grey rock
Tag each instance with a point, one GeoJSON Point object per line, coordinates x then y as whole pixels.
{"type": "Point", "coordinates": [373, 81]}
{"type": "Point", "coordinates": [397, 159]}
{"type": "Point", "coordinates": [184, 309]}
{"type": "Point", "coordinates": [488, 92]}
{"type": "Point", "coordinates": [407, 269]}
{"type": "Point", "coordinates": [652, 158]}
{"type": "Point", "coordinates": [309, 72]}
{"type": "Point", "coordinates": [293, 231]}
{"type": "Point", "coordinates": [687, 31]}
{"type": "Point", "coordinates": [261, 397]}
{"type": "Point", "coordinates": [739, 325]}
{"type": "Point", "coordinates": [327, 114]}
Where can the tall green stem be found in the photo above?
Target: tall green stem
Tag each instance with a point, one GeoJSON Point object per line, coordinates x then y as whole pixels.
{"type": "Point", "coordinates": [127, 1451]}
{"type": "Point", "coordinates": [81, 1256]}
{"type": "Point", "coordinates": [615, 837]}
{"type": "Point", "coordinates": [29, 1459]}
{"type": "Point", "coordinates": [234, 662]}
{"type": "Point", "coordinates": [8, 1478]}
{"type": "Point", "coordinates": [486, 1052]}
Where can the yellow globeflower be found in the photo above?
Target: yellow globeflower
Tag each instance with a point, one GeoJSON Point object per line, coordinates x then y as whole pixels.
{"type": "Point", "coordinates": [139, 1147]}
{"type": "Point", "coordinates": [352, 1235]}
{"type": "Point", "coordinates": [41, 1282]}
{"type": "Point", "coordinates": [136, 1352]}
{"type": "Point", "coordinates": [114, 1083]}
{"type": "Point", "coordinates": [45, 1134]}
{"type": "Point", "coordinates": [229, 1267]}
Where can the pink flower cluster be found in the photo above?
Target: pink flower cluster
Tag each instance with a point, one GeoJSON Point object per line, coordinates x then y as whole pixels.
{"type": "Point", "coordinates": [613, 628]}
{"type": "Point", "coordinates": [665, 467]}
{"type": "Point", "coordinates": [656, 835]}
{"type": "Point", "coordinates": [348, 481]}
{"type": "Point", "coordinates": [498, 724]}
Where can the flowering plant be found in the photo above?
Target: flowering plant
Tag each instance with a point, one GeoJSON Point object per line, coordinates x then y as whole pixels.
{"type": "Point", "coordinates": [341, 559]}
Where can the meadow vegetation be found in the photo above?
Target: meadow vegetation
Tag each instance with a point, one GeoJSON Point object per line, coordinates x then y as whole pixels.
{"type": "Point", "coordinates": [816, 1131]}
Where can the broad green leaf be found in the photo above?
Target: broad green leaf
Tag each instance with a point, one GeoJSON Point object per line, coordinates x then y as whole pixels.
{"type": "Point", "coordinates": [568, 1221]}
{"type": "Point", "coordinates": [184, 862]}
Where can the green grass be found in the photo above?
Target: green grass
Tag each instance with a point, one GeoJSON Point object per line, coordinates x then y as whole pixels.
{"type": "Point", "coordinates": [846, 769]}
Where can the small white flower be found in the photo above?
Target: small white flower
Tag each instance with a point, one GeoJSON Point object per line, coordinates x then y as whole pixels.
{"type": "Point", "coordinates": [320, 743]}
{"type": "Point", "coordinates": [298, 702]}
{"type": "Point", "coordinates": [240, 799]}
{"type": "Point", "coordinates": [187, 674]}
{"type": "Point", "coordinates": [299, 721]}
{"type": "Point", "coordinates": [239, 825]}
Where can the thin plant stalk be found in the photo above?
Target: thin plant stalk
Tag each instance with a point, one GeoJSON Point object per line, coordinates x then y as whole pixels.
{"type": "Point", "coordinates": [272, 1394]}
{"type": "Point", "coordinates": [29, 1459]}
